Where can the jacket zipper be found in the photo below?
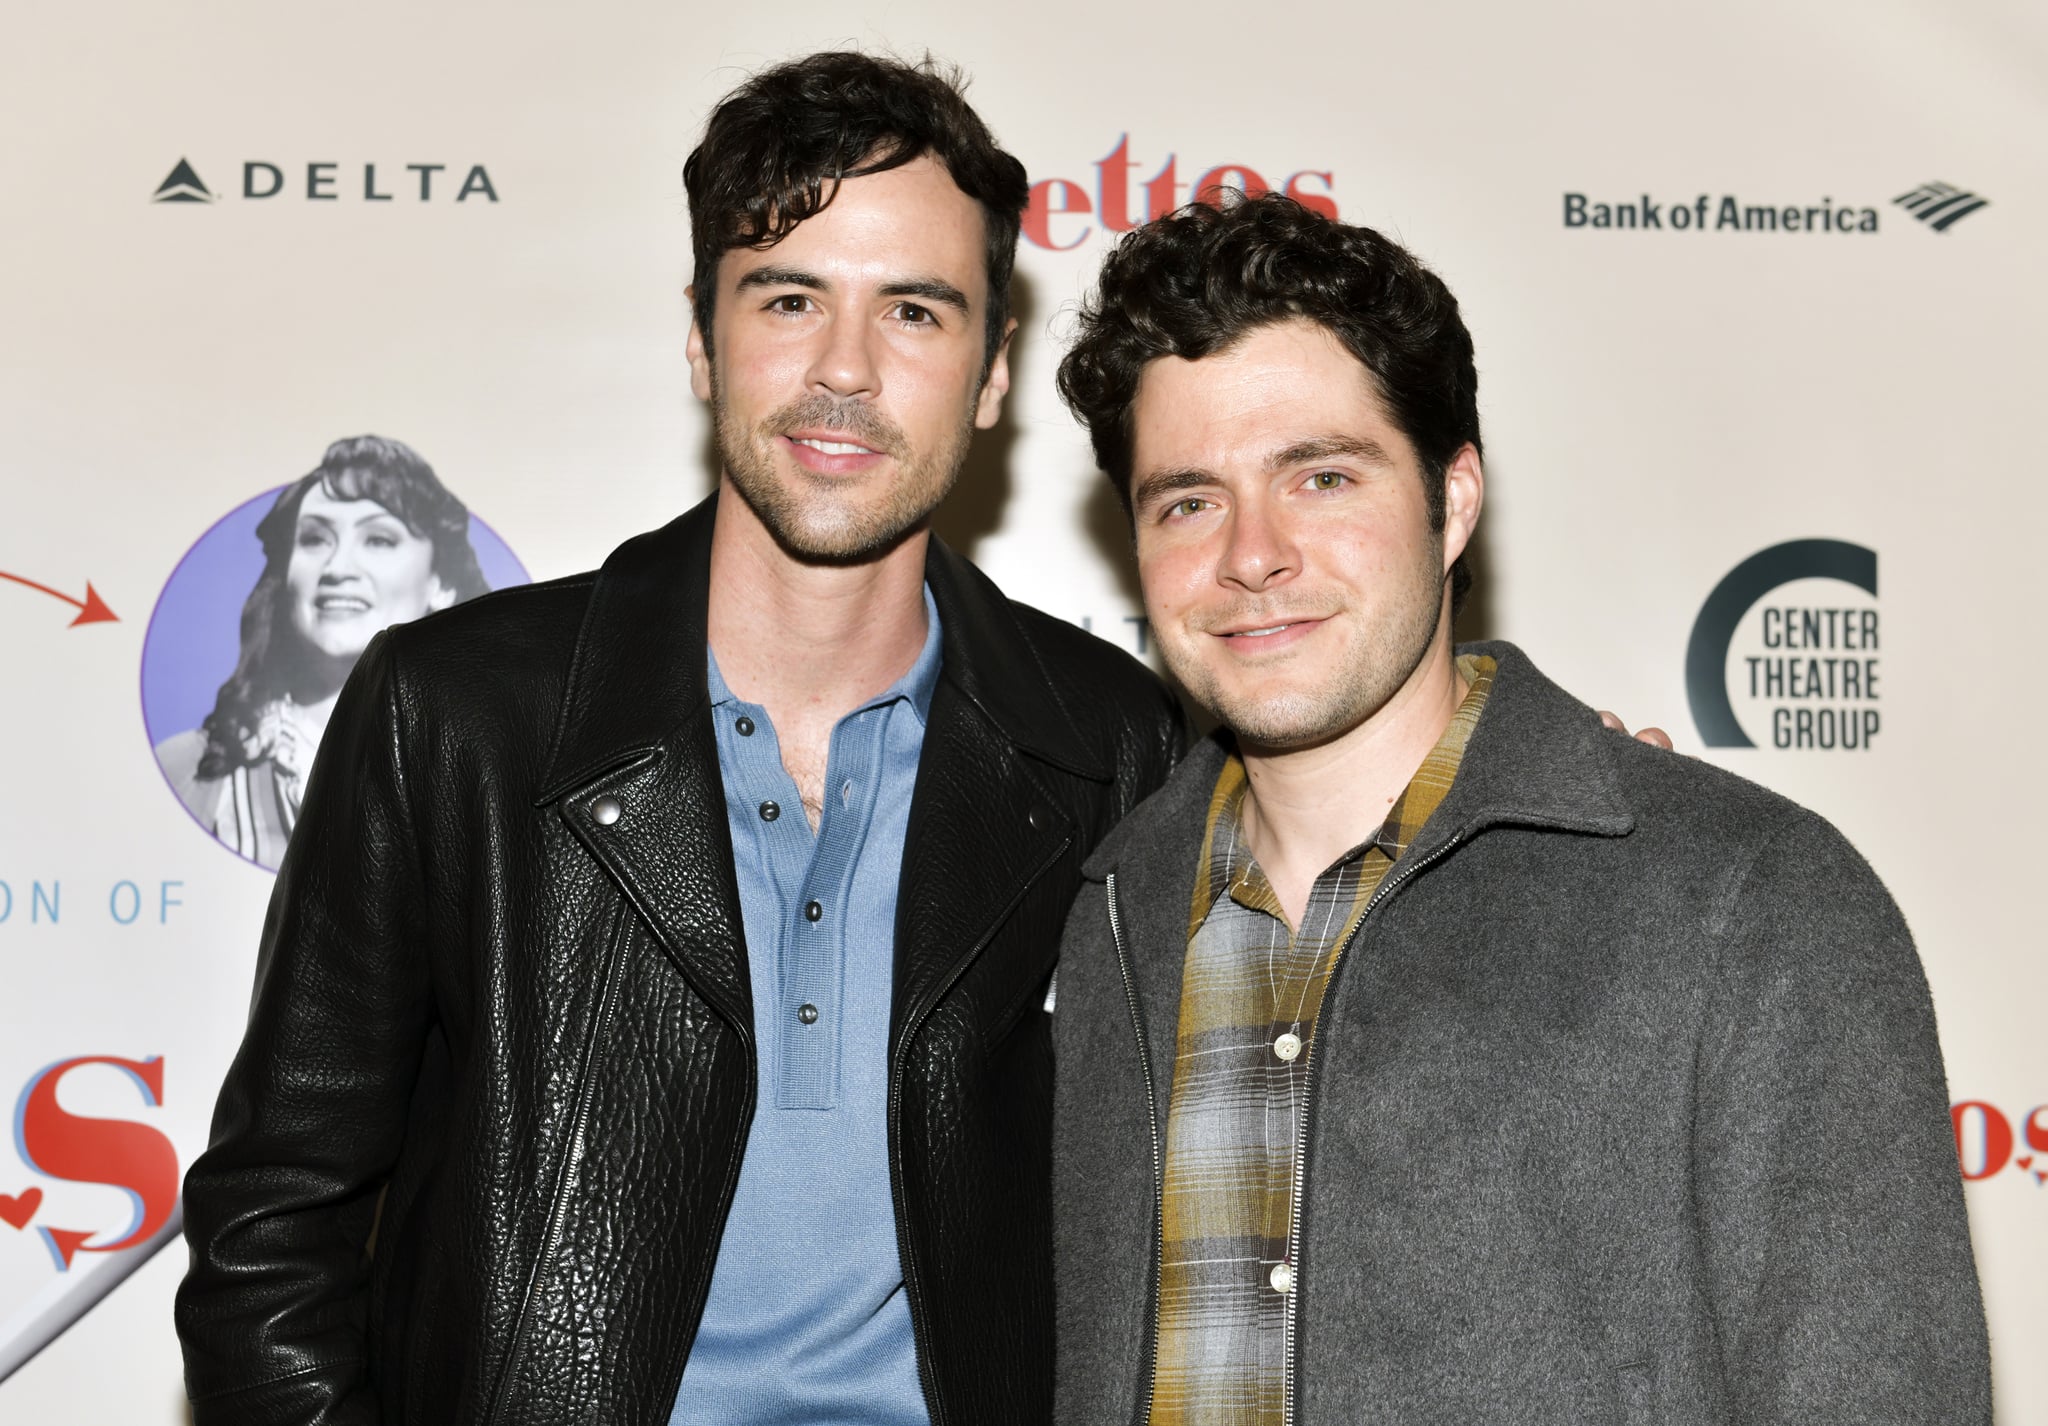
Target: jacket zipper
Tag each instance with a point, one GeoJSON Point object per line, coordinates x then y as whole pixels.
{"type": "Point", "coordinates": [558, 1211]}
{"type": "Point", "coordinates": [919, 1334]}
{"type": "Point", "coordinates": [1301, 1133]}
{"type": "Point", "coordinates": [1147, 1358]}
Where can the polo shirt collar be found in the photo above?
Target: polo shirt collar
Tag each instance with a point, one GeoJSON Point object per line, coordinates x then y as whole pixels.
{"type": "Point", "coordinates": [915, 687]}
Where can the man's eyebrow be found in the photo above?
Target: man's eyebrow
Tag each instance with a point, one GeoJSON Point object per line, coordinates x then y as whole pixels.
{"type": "Point", "coordinates": [1306, 452]}
{"type": "Point", "coordinates": [1165, 482]}
{"type": "Point", "coordinates": [783, 277]}
{"type": "Point", "coordinates": [931, 289]}
{"type": "Point", "coordinates": [1317, 448]}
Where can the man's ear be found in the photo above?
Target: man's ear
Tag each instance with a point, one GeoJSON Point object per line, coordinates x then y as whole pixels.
{"type": "Point", "coordinates": [700, 363]}
{"type": "Point", "coordinates": [988, 407]}
{"type": "Point", "coordinates": [1464, 493]}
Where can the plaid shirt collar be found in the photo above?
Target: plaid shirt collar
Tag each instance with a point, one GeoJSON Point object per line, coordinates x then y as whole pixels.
{"type": "Point", "coordinates": [1227, 864]}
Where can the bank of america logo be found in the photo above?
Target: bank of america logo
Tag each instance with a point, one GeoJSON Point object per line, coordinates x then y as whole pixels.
{"type": "Point", "coordinates": [182, 186]}
{"type": "Point", "coordinates": [1940, 205]}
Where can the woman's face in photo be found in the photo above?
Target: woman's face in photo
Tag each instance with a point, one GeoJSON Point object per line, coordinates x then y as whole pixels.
{"type": "Point", "coordinates": [356, 568]}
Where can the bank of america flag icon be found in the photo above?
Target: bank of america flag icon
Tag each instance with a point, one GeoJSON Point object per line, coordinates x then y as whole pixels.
{"type": "Point", "coordinates": [182, 186]}
{"type": "Point", "coordinates": [1940, 205]}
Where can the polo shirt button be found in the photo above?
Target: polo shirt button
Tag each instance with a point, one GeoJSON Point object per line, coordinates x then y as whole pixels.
{"type": "Point", "coordinates": [769, 812]}
{"type": "Point", "coordinates": [1287, 1047]}
{"type": "Point", "coordinates": [744, 727]}
{"type": "Point", "coordinates": [813, 911]}
{"type": "Point", "coordinates": [1282, 1278]}
{"type": "Point", "coordinates": [808, 1013]}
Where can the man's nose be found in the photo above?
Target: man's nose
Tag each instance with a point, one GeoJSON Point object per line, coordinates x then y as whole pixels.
{"type": "Point", "coordinates": [1259, 549]}
{"type": "Point", "coordinates": [845, 364]}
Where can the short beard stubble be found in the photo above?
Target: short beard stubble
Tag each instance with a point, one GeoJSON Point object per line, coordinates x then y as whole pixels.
{"type": "Point", "coordinates": [817, 518]}
{"type": "Point", "coordinates": [1372, 671]}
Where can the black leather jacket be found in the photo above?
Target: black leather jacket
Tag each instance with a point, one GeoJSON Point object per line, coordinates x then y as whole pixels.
{"type": "Point", "coordinates": [474, 1157]}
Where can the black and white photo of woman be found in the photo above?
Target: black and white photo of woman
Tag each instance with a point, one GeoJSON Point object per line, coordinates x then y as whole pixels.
{"type": "Point", "coordinates": [369, 539]}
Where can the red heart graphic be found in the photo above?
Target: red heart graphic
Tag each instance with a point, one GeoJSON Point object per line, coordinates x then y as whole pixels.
{"type": "Point", "coordinates": [2040, 1177]}
{"type": "Point", "coordinates": [2026, 1162]}
{"type": "Point", "coordinates": [17, 1209]}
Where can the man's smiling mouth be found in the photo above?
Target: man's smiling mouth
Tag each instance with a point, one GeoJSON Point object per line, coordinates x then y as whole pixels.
{"type": "Point", "coordinates": [833, 448]}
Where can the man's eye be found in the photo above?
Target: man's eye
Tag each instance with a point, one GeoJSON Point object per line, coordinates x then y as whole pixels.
{"type": "Point", "coordinates": [1187, 505]}
{"type": "Point", "coordinates": [915, 315]}
{"type": "Point", "coordinates": [791, 302]}
{"type": "Point", "coordinates": [1328, 480]}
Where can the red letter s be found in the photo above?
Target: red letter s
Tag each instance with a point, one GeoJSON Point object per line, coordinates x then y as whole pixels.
{"type": "Point", "coordinates": [116, 1152]}
{"type": "Point", "coordinates": [1316, 202]}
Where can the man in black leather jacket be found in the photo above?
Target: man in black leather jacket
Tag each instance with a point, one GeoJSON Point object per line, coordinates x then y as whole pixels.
{"type": "Point", "coordinates": [481, 1155]}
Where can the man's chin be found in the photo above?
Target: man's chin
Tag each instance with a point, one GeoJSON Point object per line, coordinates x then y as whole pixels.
{"type": "Point", "coordinates": [1279, 724]}
{"type": "Point", "coordinates": [837, 536]}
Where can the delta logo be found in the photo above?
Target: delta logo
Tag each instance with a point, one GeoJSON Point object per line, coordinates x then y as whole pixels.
{"type": "Point", "coordinates": [332, 181]}
{"type": "Point", "coordinates": [1064, 213]}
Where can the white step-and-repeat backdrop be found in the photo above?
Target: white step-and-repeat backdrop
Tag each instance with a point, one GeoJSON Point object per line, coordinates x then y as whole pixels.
{"type": "Point", "coordinates": [1757, 296]}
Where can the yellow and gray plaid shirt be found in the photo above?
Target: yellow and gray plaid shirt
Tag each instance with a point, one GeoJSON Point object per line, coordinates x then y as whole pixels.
{"type": "Point", "coordinates": [1249, 997]}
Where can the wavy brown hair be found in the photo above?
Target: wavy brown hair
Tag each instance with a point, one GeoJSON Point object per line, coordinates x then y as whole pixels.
{"type": "Point", "coordinates": [777, 148]}
{"type": "Point", "coordinates": [1199, 279]}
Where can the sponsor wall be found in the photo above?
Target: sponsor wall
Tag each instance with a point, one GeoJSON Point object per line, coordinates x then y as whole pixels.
{"type": "Point", "coordinates": [1758, 329]}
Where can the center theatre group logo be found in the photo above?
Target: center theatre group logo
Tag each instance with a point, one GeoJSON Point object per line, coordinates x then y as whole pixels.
{"type": "Point", "coordinates": [420, 183]}
{"type": "Point", "coordinates": [1114, 203]}
{"type": "Point", "coordinates": [1812, 666]}
{"type": "Point", "coordinates": [1938, 205]}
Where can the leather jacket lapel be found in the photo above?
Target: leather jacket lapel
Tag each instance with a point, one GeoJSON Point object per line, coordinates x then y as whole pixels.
{"type": "Point", "coordinates": [634, 772]}
{"type": "Point", "coordinates": [974, 793]}
{"type": "Point", "coordinates": [994, 715]}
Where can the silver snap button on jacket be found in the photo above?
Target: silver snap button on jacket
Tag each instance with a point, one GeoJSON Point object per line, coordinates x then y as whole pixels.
{"type": "Point", "coordinates": [605, 811]}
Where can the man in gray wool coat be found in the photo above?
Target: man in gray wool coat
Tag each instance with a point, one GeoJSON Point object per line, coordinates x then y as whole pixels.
{"type": "Point", "coordinates": [1427, 1052]}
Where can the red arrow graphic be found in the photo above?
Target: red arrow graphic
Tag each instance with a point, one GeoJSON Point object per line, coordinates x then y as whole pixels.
{"type": "Point", "coordinates": [91, 610]}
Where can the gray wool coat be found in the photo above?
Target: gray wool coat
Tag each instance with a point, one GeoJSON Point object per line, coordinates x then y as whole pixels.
{"type": "Point", "coordinates": [1626, 1106]}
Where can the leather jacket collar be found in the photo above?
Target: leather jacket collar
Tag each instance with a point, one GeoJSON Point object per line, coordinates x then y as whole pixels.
{"type": "Point", "coordinates": [634, 770]}
{"type": "Point", "coordinates": [638, 677]}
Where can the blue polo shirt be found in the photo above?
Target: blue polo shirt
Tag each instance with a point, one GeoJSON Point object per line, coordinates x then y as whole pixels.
{"type": "Point", "coordinates": [807, 1321]}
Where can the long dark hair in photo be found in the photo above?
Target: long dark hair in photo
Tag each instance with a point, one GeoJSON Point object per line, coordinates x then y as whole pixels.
{"type": "Point", "coordinates": [372, 468]}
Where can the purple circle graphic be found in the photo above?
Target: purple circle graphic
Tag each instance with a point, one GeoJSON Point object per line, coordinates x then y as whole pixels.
{"type": "Point", "coordinates": [332, 582]}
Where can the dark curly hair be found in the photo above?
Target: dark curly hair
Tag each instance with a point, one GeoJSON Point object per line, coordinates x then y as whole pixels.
{"type": "Point", "coordinates": [392, 474]}
{"type": "Point", "coordinates": [1199, 279]}
{"type": "Point", "coordinates": [776, 149]}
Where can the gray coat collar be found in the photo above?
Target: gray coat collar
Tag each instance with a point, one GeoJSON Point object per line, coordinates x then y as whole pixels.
{"type": "Point", "coordinates": [1538, 758]}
